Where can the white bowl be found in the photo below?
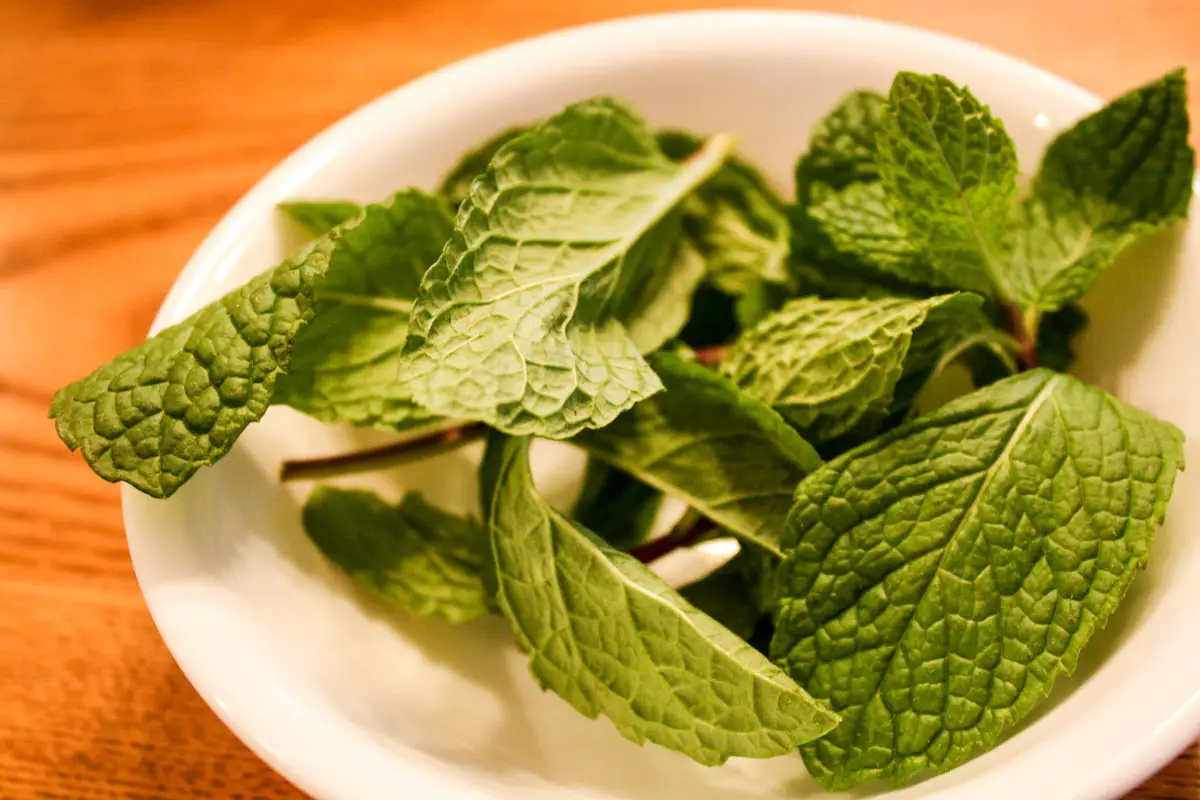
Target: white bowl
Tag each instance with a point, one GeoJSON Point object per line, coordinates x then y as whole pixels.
{"type": "Point", "coordinates": [350, 699]}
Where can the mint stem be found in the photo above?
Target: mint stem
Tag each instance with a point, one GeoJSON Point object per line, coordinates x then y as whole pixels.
{"type": "Point", "coordinates": [657, 548]}
{"type": "Point", "coordinates": [708, 356]}
{"type": "Point", "coordinates": [1027, 356]}
{"type": "Point", "coordinates": [417, 448]}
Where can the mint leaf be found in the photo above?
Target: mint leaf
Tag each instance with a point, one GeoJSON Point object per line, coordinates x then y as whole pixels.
{"type": "Point", "coordinates": [428, 561]}
{"type": "Point", "coordinates": [736, 220]}
{"type": "Point", "coordinates": [857, 225]}
{"type": "Point", "coordinates": [457, 183]}
{"type": "Point", "coordinates": [610, 637]}
{"type": "Point", "coordinates": [345, 363]}
{"type": "Point", "coordinates": [175, 403]}
{"type": "Point", "coordinates": [831, 366]}
{"type": "Point", "coordinates": [318, 217]}
{"type": "Point", "coordinates": [655, 301]}
{"type": "Point", "coordinates": [846, 240]}
{"type": "Point", "coordinates": [843, 148]}
{"type": "Point", "coordinates": [740, 593]}
{"type": "Point", "coordinates": [514, 325]}
{"type": "Point", "coordinates": [950, 170]}
{"type": "Point", "coordinates": [716, 448]}
{"type": "Point", "coordinates": [1115, 177]}
{"type": "Point", "coordinates": [616, 506]}
{"type": "Point", "coordinates": [940, 578]}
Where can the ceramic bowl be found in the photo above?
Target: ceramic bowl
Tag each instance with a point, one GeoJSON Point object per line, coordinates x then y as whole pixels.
{"type": "Point", "coordinates": [350, 699]}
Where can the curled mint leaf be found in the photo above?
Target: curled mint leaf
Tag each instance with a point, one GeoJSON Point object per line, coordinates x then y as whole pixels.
{"type": "Point", "coordinates": [427, 560]}
{"type": "Point", "coordinates": [831, 367]}
{"type": "Point", "coordinates": [939, 579]}
{"type": "Point", "coordinates": [610, 637]}
{"type": "Point", "coordinates": [736, 221]}
{"type": "Point", "coordinates": [843, 149]}
{"type": "Point", "coordinates": [1113, 178]}
{"type": "Point", "coordinates": [514, 324]}
{"type": "Point", "coordinates": [950, 170]}
{"type": "Point", "coordinates": [175, 403]}
{"type": "Point", "coordinates": [345, 364]}
{"type": "Point", "coordinates": [711, 445]}
{"type": "Point", "coordinates": [318, 217]}
{"type": "Point", "coordinates": [457, 183]}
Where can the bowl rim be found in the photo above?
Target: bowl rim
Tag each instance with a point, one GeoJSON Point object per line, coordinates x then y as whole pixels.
{"type": "Point", "coordinates": [1141, 761]}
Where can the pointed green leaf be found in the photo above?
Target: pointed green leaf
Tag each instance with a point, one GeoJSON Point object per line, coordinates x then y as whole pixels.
{"type": "Point", "coordinates": [1113, 178]}
{"type": "Point", "coordinates": [427, 560]}
{"type": "Point", "coordinates": [457, 183]}
{"type": "Point", "coordinates": [832, 366]}
{"type": "Point", "coordinates": [610, 637]}
{"type": "Point", "coordinates": [736, 221]}
{"type": "Point", "coordinates": [716, 448]}
{"type": "Point", "coordinates": [514, 324]}
{"type": "Point", "coordinates": [950, 170]}
{"type": "Point", "coordinates": [346, 363]}
{"type": "Point", "coordinates": [940, 578]}
{"type": "Point", "coordinates": [319, 217]}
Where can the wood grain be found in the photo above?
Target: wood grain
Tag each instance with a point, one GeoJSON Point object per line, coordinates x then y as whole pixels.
{"type": "Point", "coordinates": [126, 129]}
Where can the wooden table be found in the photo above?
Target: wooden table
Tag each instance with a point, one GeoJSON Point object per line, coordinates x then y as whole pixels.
{"type": "Point", "coordinates": [126, 129]}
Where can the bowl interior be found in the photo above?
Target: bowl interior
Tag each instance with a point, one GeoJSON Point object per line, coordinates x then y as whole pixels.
{"type": "Point", "coordinates": [349, 698]}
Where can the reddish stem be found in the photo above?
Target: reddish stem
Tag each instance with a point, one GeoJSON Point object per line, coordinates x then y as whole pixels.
{"type": "Point", "coordinates": [1027, 357]}
{"type": "Point", "coordinates": [657, 548]}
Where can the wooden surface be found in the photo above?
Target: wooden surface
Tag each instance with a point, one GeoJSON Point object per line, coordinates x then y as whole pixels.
{"type": "Point", "coordinates": [126, 130]}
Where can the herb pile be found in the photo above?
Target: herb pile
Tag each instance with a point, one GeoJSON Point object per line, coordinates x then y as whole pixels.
{"type": "Point", "coordinates": [911, 581]}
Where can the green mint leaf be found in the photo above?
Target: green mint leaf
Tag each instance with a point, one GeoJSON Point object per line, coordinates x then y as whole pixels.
{"type": "Point", "coordinates": [711, 445]}
{"type": "Point", "coordinates": [427, 560]}
{"type": "Point", "coordinates": [831, 367]}
{"type": "Point", "coordinates": [740, 593]}
{"type": "Point", "coordinates": [1115, 177]}
{"type": "Point", "coordinates": [857, 225]}
{"type": "Point", "coordinates": [736, 221]}
{"type": "Point", "coordinates": [940, 578]}
{"type": "Point", "coordinates": [319, 217]}
{"type": "Point", "coordinates": [616, 506]}
{"type": "Point", "coordinates": [950, 170]}
{"type": "Point", "coordinates": [514, 325]}
{"type": "Point", "coordinates": [344, 364]}
{"type": "Point", "coordinates": [655, 301]}
{"type": "Point", "coordinates": [843, 150]}
{"type": "Point", "coordinates": [610, 637]}
{"type": "Point", "coordinates": [846, 241]}
{"type": "Point", "coordinates": [175, 403]}
{"type": "Point", "coordinates": [457, 183]}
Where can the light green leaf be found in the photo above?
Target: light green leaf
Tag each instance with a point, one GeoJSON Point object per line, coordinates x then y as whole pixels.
{"type": "Point", "coordinates": [736, 221]}
{"type": "Point", "coordinates": [655, 301]}
{"type": "Point", "coordinates": [857, 226]}
{"type": "Point", "coordinates": [1115, 177]}
{"type": "Point", "coordinates": [610, 637]}
{"type": "Point", "coordinates": [457, 183]}
{"type": "Point", "coordinates": [616, 506]}
{"type": "Point", "coordinates": [843, 148]}
{"type": "Point", "coordinates": [319, 217]}
{"type": "Point", "coordinates": [159, 412]}
{"type": "Point", "coordinates": [514, 325]}
{"type": "Point", "coordinates": [846, 241]}
{"type": "Point", "coordinates": [950, 170]}
{"type": "Point", "coordinates": [716, 448]}
{"type": "Point", "coordinates": [427, 560]}
{"type": "Point", "coordinates": [345, 363]}
{"type": "Point", "coordinates": [940, 578]}
{"type": "Point", "coordinates": [831, 366]}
